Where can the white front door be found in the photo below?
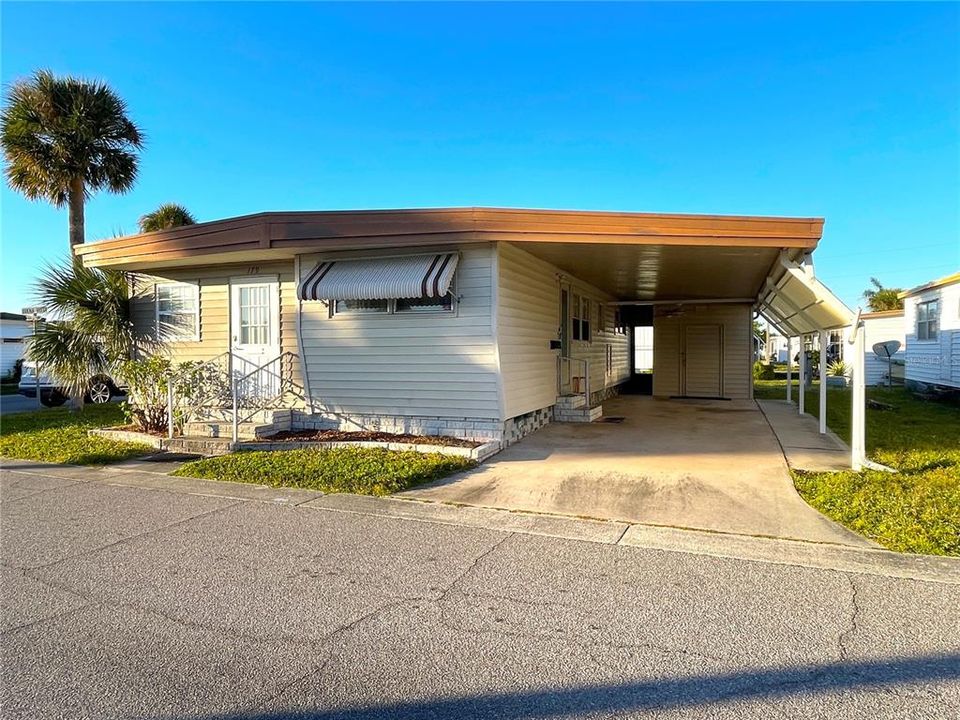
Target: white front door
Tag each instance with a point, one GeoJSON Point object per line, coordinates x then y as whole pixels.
{"type": "Point", "coordinates": [254, 322]}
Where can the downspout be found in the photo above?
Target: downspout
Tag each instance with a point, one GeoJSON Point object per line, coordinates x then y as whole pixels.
{"type": "Point", "coordinates": [299, 328]}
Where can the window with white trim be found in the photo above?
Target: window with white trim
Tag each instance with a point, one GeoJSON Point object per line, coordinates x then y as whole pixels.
{"type": "Point", "coordinates": [178, 311]}
{"type": "Point", "coordinates": [927, 319]}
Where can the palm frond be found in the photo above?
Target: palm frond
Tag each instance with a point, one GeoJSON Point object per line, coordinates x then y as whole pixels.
{"type": "Point", "coordinates": [68, 354]}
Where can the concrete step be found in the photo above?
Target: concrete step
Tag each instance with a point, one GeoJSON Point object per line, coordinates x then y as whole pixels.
{"type": "Point", "coordinates": [206, 446]}
{"type": "Point", "coordinates": [583, 414]}
{"type": "Point", "coordinates": [571, 402]}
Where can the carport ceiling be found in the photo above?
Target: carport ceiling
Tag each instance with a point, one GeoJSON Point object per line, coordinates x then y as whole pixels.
{"type": "Point", "coordinates": [663, 272]}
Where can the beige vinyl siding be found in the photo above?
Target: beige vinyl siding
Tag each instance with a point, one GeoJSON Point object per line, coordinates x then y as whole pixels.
{"type": "Point", "coordinates": [214, 284]}
{"type": "Point", "coordinates": [668, 337]}
{"type": "Point", "coordinates": [528, 318]}
{"type": "Point", "coordinates": [528, 315]}
{"type": "Point", "coordinates": [936, 362]}
{"type": "Point", "coordinates": [407, 364]}
{"type": "Point", "coordinates": [596, 351]}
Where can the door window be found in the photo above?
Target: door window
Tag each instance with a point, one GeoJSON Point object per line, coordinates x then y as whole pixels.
{"type": "Point", "coordinates": [254, 303]}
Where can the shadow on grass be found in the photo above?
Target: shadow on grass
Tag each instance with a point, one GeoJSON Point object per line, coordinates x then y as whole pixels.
{"type": "Point", "coordinates": [681, 692]}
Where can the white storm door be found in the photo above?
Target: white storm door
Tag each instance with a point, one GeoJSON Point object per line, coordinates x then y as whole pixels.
{"type": "Point", "coordinates": [702, 361]}
{"type": "Point", "coordinates": [254, 322]}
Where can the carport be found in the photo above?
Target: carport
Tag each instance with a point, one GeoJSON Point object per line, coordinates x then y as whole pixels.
{"type": "Point", "coordinates": [706, 278]}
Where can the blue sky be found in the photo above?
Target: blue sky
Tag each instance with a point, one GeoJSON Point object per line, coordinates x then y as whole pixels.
{"type": "Point", "coordinates": [849, 112]}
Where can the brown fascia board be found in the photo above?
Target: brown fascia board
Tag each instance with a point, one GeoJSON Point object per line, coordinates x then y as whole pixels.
{"type": "Point", "coordinates": [345, 229]}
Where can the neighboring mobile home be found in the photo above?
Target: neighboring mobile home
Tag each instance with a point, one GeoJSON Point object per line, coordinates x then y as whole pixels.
{"type": "Point", "coordinates": [882, 327]}
{"type": "Point", "coordinates": [14, 327]}
{"type": "Point", "coordinates": [932, 323]}
{"type": "Point", "coordinates": [481, 323]}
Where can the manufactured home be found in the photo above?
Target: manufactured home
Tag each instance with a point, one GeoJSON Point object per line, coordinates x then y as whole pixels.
{"type": "Point", "coordinates": [14, 328]}
{"type": "Point", "coordinates": [931, 315]}
{"type": "Point", "coordinates": [479, 323]}
{"type": "Point", "coordinates": [883, 327]}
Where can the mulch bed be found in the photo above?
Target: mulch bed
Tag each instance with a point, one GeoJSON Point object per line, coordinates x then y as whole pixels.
{"type": "Point", "coordinates": [366, 436]}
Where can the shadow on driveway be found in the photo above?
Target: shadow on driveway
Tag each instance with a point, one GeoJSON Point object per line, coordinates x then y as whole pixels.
{"type": "Point", "coordinates": [685, 692]}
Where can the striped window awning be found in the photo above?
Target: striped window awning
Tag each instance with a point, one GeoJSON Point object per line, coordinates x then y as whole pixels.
{"type": "Point", "coordinates": [411, 276]}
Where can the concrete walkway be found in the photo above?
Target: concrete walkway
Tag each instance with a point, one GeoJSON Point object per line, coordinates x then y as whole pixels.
{"type": "Point", "coordinates": [708, 465]}
{"type": "Point", "coordinates": [800, 438]}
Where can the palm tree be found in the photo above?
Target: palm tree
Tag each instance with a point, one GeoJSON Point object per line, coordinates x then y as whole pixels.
{"type": "Point", "coordinates": [880, 298]}
{"type": "Point", "coordinates": [64, 139]}
{"type": "Point", "coordinates": [165, 217]}
{"type": "Point", "coordinates": [94, 329]}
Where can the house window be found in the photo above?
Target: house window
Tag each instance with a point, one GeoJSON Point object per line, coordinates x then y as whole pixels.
{"type": "Point", "coordinates": [927, 313]}
{"type": "Point", "coordinates": [358, 307]}
{"type": "Point", "coordinates": [424, 304]}
{"type": "Point", "coordinates": [581, 318]}
{"type": "Point", "coordinates": [178, 311]}
{"type": "Point", "coordinates": [421, 305]}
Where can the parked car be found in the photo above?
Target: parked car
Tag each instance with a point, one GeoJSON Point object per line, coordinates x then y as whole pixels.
{"type": "Point", "coordinates": [101, 388]}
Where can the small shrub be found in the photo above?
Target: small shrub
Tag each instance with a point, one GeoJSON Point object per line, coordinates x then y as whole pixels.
{"type": "Point", "coordinates": [838, 368]}
{"type": "Point", "coordinates": [763, 371]}
{"type": "Point", "coordinates": [14, 374]}
{"type": "Point", "coordinates": [147, 381]}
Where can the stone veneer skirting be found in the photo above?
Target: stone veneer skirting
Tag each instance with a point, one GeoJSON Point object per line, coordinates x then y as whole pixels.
{"type": "Point", "coordinates": [520, 426]}
{"type": "Point", "coordinates": [608, 392]}
{"type": "Point", "coordinates": [507, 432]}
{"type": "Point", "coordinates": [466, 428]}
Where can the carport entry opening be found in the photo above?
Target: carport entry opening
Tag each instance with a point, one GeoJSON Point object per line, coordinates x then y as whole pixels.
{"type": "Point", "coordinates": [642, 376]}
{"type": "Point", "coordinates": [702, 361]}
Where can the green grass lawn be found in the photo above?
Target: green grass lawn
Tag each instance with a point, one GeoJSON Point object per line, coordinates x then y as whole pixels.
{"type": "Point", "coordinates": [58, 435]}
{"type": "Point", "coordinates": [364, 471]}
{"type": "Point", "coordinates": [914, 510]}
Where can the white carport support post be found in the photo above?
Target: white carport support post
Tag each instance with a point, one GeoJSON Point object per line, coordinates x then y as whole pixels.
{"type": "Point", "coordinates": [789, 369]}
{"type": "Point", "coordinates": [823, 382]}
{"type": "Point", "coordinates": [801, 395]}
{"type": "Point", "coordinates": [858, 445]}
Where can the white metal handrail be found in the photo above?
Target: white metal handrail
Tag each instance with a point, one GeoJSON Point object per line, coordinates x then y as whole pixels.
{"type": "Point", "coordinates": [196, 388]}
{"type": "Point", "coordinates": [263, 388]}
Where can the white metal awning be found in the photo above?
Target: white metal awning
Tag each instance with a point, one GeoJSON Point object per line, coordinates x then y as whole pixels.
{"type": "Point", "coordinates": [409, 276]}
{"type": "Point", "coordinates": [799, 304]}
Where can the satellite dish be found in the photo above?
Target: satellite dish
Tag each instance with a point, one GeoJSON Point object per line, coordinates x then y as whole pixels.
{"type": "Point", "coordinates": [886, 350]}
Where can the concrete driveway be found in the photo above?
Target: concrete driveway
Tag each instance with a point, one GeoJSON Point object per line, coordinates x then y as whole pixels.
{"type": "Point", "coordinates": [704, 464]}
{"type": "Point", "coordinates": [131, 595]}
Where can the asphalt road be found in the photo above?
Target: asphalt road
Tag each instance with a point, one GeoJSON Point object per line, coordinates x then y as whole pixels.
{"type": "Point", "coordinates": [17, 403]}
{"type": "Point", "coordinates": [130, 595]}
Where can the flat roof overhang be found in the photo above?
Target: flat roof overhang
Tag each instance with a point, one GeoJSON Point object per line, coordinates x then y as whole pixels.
{"type": "Point", "coordinates": [633, 256]}
{"type": "Point", "coordinates": [285, 234]}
